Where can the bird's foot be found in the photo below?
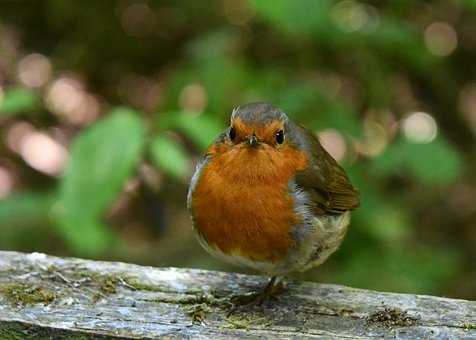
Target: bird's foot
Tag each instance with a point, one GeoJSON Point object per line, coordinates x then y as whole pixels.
{"type": "Point", "coordinates": [273, 288]}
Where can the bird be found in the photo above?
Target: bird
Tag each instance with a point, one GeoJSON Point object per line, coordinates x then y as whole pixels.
{"type": "Point", "coordinates": [267, 196]}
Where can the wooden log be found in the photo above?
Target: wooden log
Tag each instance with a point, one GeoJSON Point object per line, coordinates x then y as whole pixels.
{"type": "Point", "coordinates": [53, 298]}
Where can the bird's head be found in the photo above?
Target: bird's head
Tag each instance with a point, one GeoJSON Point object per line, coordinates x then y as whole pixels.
{"type": "Point", "coordinates": [257, 125]}
{"type": "Point", "coordinates": [261, 142]}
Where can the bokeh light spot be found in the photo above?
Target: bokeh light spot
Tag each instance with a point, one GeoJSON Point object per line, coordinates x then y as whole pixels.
{"type": "Point", "coordinates": [16, 133]}
{"type": "Point", "coordinates": [67, 98]}
{"type": "Point", "coordinates": [43, 153]}
{"type": "Point", "coordinates": [349, 15]}
{"type": "Point", "coordinates": [375, 140]}
{"type": "Point", "coordinates": [142, 92]}
{"type": "Point", "coordinates": [193, 98]}
{"type": "Point", "coordinates": [334, 143]}
{"type": "Point", "coordinates": [138, 20]}
{"type": "Point", "coordinates": [34, 70]}
{"type": "Point", "coordinates": [441, 39]}
{"type": "Point", "coordinates": [420, 127]}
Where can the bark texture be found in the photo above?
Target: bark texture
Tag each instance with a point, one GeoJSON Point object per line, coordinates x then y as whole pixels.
{"type": "Point", "coordinates": [55, 298]}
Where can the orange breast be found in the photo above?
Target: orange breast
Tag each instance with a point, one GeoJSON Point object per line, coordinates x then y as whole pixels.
{"type": "Point", "coordinates": [241, 203]}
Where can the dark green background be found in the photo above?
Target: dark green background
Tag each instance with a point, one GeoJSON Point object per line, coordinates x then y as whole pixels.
{"type": "Point", "coordinates": [163, 76]}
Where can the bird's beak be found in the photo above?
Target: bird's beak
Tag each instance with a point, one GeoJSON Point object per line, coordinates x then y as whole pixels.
{"type": "Point", "coordinates": [253, 141]}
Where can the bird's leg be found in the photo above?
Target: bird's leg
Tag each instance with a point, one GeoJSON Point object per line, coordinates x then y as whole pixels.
{"type": "Point", "coordinates": [273, 287]}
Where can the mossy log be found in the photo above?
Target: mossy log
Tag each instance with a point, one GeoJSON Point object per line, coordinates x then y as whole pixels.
{"type": "Point", "coordinates": [54, 298]}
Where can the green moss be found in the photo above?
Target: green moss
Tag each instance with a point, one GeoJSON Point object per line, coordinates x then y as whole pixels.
{"type": "Point", "coordinates": [185, 300]}
{"type": "Point", "coordinates": [52, 268]}
{"type": "Point", "coordinates": [211, 300]}
{"type": "Point", "coordinates": [245, 320]}
{"type": "Point", "coordinates": [238, 324]}
{"type": "Point", "coordinates": [137, 285]}
{"type": "Point", "coordinates": [469, 326]}
{"type": "Point", "coordinates": [189, 297]}
{"type": "Point", "coordinates": [392, 317]}
{"type": "Point", "coordinates": [345, 312]}
{"type": "Point", "coordinates": [104, 284]}
{"type": "Point", "coordinates": [108, 284]}
{"type": "Point", "coordinates": [93, 276]}
{"type": "Point", "coordinates": [198, 313]}
{"type": "Point", "coordinates": [23, 294]}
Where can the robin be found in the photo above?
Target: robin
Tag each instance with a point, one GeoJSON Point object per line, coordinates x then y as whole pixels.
{"type": "Point", "coordinates": [268, 196]}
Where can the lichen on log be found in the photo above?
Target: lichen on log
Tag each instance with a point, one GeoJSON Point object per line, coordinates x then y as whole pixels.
{"type": "Point", "coordinates": [49, 297]}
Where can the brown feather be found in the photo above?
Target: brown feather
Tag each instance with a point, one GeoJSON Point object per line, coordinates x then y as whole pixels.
{"type": "Point", "coordinates": [241, 205]}
{"type": "Point", "coordinates": [325, 180]}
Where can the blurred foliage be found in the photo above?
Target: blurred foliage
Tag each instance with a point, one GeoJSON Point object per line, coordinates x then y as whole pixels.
{"type": "Point", "coordinates": [135, 91]}
{"type": "Point", "coordinates": [101, 159]}
{"type": "Point", "coordinates": [169, 156]}
{"type": "Point", "coordinates": [435, 163]}
{"type": "Point", "coordinates": [17, 101]}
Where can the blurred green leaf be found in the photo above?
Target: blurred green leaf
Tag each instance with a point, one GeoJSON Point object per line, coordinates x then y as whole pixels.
{"type": "Point", "coordinates": [433, 163]}
{"type": "Point", "coordinates": [26, 220]}
{"type": "Point", "coordinates": [471, 4]}
{"type": "Point", "coordinates": [313, 15]}
{"type": "Point", "coordinates": [170, 156]}
{"type": "Point", "coordinates": [395, 38]}
{"type": "Point", "coordinates": [102, 158]}
{"type": "Point", "coordinates": [380, 217]}
{"type": "Point", "coordinates": [409, 270]}
{"type": "Point", "coordinates": [210, 58]}
{"type": "Point", "coordinates": [213, 45]}
{"type": "Point", "coordinates": [399, 39]}
{"type": "Point", "coordinates": [309, 102]}
{"type": "Point", "coordinates": [297, 99]}
{"type": "Point", "coordinates": [25, 208]}
{"type": "Point", "coordinates": [340, 117]}
{"type": "Point", "coordinates": [201, 129]}
{"type": "Point", "coordinates": [389, 223]}
{"type": "Point", "coordinates": [17, 100]}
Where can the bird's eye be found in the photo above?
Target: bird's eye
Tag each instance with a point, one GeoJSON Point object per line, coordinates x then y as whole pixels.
{"type": "Point", "coordinates": [280, 137]}
{"type": "Point", "coordinates": [232, 133]}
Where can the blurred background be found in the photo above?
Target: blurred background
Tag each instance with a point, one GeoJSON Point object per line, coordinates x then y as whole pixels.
{"type": "Point", "coordinates": [105, 107]}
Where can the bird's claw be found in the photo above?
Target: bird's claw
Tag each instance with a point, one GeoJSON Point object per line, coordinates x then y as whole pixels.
{"type": "Point", "coordinates": [257, 299]}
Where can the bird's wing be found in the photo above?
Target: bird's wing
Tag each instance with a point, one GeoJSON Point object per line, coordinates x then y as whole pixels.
{"type": "Point", "coordinates": [325, 180]}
